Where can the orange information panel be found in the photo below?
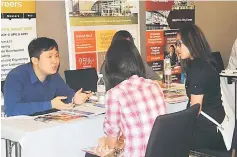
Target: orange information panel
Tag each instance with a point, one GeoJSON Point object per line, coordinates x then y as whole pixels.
{"type": "Point", "coordinates": [154, 53]}
{"type": "Point", "coordinates": [155, 58]}
{"type": "Point", "coordinates": [155, 38]}
{"type": "Point", "coordinates": [85, 41]}
{"type": "Point", "coordinates": [86, 60]}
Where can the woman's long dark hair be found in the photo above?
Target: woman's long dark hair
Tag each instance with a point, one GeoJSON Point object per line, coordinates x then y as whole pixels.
{"type": "Point", "coordinates": [122, 61]}
{"type": "Point", "coordinates": [194, 39]}
{"type": "Point", "coordinates": [122, 35]}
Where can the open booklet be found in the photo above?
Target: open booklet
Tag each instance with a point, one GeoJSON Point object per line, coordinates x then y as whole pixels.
{"type": "Point", "coordinates": [57, 116]}
{"type": "Point", "coordinates": [87, 110]}
{"type": "Point", "coordinates": [103, 149]}
{"type": "Point", "coordinates": [90, 150]}
{"type": "Point", "coordinates": [104, 152]}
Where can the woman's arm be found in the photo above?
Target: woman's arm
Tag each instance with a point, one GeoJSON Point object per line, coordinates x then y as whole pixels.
{"type": "Point", "coordinates": [112, 118]}
{"type": "Point", "coordinates": [197, 99]}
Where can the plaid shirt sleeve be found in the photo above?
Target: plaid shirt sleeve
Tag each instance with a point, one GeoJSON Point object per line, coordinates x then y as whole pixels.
{"type": "Point", "coordinates": [113, 114]}
{"type": "Point", "coordinates": [160, 100]}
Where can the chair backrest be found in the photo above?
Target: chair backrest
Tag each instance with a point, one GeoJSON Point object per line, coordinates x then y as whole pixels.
{"type": "Point", "coordinates": [219, 61]}
{"type": "Point", "coordinates": [83, 78]}
{"type": "Point", "coordinates": [171, 134]}
{"type": "Point", "coordinates": [2, 86]}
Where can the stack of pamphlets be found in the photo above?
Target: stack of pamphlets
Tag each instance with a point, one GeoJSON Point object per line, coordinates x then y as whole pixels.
{"type": "Point", "coordinates": [176, 93]}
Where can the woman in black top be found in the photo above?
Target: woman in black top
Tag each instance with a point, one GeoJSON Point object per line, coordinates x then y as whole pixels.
{"type": "Point", "coordinates": [202, 85]}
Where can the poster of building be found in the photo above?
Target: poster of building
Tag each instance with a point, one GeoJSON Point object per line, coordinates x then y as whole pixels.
{"type": "Point", "coordinates": [91, 26]}
{"type": "Point", "coordinates": [163, 19]}
{"type": "Point", "coordinates": [18, 28]}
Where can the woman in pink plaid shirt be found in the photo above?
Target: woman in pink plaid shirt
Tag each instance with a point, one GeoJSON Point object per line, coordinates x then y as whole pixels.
{"type": "Point", "coordinates": [132, 102]}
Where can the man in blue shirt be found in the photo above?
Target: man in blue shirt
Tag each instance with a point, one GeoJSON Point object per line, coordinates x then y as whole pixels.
{"type": "Point", "coordinates": [37, 86]}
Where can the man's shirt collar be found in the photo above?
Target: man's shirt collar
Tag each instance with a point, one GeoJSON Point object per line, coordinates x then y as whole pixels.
{"type": "Point", "coordinates": [33, 76]}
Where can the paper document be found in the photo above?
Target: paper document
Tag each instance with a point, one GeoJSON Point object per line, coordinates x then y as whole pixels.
{"type": "Point", "coordinates": [87, 110]}
{"type": "Point", "coordinates": [175, 94]}
{"type": "Point", "coordinates": [57, 116]}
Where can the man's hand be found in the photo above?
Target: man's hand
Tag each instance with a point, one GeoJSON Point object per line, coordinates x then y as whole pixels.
{"type": "Point", "coordinates": [58, 104]}
{"type": "Point", "coordinates": [80, 98]}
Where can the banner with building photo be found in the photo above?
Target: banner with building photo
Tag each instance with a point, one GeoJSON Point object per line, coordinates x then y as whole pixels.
{"type": "Point", "coordinates": [18, 28]}
{"type": "Point", "coordinates": [164, 19]}
{"type": "Point", "coordinates": [91, 26]}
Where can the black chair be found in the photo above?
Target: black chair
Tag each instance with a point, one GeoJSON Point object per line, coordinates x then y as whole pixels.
{"type": "Point", "coordinates": [83, 78]}
{"type": "Point", "coordinates": [2, 86]}
{"type": "Point", "coordinates": [171, 134]}
{"type": "Point", "coordinates": [222, 153]}
{"type": "Point", "coordinates": [219, 61]}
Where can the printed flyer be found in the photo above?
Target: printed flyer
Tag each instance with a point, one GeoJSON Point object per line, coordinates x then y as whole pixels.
{"type": "Point", "coordinates": [91, 26]}
{"type": "Point", "coordinates": [18, 28]}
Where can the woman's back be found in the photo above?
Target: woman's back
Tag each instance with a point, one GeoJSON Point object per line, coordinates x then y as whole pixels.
{"type": "Point", "coordinates": [137, 102]}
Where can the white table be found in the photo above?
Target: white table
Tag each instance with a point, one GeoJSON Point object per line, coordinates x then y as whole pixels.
{"type": "Point", "coordinates": [39, 139]}
{"type": "Point", "coordinates": [229, 90]}
{"type": "Point", "coordinates": [171, 108]}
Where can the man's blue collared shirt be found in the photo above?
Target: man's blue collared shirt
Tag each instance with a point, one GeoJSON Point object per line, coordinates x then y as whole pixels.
{"type": "Point", "coordinates": [24, 94]}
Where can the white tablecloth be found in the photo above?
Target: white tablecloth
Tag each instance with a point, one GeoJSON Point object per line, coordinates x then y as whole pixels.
{"type": "Point", "coordinates": [229, 90]}
{"type": "Point", "coordinates": [57, 140]}
{"type": "Point", "coordinates": [50, 140]}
